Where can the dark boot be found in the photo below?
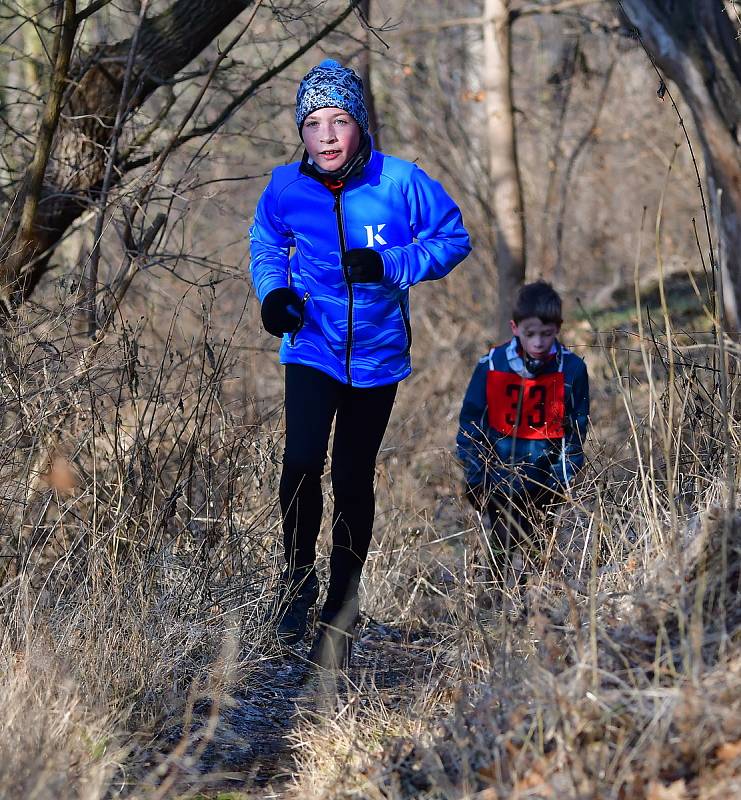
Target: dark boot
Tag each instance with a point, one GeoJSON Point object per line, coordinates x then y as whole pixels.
{"type": "Point", "coordinates": [296, 599]}
{"type": "Point", "coordinates": [332, 646]}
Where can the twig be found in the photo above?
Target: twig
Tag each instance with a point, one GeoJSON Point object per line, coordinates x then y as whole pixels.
{"type": "Point", "coordinates": [529, 10]}
{"type": "Point", "coordinates": [567, 72]}
{"type": "Point", "coordinates": [238, 101]}
{"type": "Point", "coordinates": [91, 9]}
{"type": "Point", "coordinates": [667, 92]}
{"type": "Point", "coordinates": [552, 8]}
{"type": "Point", "coordinates": [63, 44]}
{"type": "Point", "coordinates": [670, 473]}
{"type": "Point", "coordinates": [573, 158]}
{"type": "Point", "coordinates": [725, 410]}
{"type": "Point", "coordinates": [194, 105]}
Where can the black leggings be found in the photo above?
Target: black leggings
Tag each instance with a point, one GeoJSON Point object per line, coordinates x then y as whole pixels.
{"type": "Point", "coordinates": [313, 399]}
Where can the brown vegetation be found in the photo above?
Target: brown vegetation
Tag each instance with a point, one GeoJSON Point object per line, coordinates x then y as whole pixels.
{"type": "Point", "coordinates": [138, 470]}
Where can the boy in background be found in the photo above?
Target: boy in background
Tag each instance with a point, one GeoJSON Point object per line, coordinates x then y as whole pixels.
{"type": "Point", "coordinates": [523, 422]}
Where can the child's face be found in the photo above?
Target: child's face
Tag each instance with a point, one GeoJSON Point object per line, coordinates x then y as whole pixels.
{"type": "Point", "coordinates": [331, 137]}
{"type": "Point", "coordinates": [536, 337]}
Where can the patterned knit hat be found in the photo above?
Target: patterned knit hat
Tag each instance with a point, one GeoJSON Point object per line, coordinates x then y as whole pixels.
{"type": "Point", "coordinates": [330, 85]}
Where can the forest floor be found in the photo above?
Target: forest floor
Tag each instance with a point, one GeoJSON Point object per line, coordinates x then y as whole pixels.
{"type": "Point", "coordinates": [551, 696]}
{"type": "Point", "coordinates": [246, 748]}
{"type": "Point", "coordinates": [136, 665]}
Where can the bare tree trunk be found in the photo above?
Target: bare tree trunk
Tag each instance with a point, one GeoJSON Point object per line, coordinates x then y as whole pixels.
{"type": "Point", "coordinates": [365, 74]}
{"type": "Point", "coordinates": [695, 45]}
{"type": "Point", "coordinates": [506, 205]}
{"type": "Point", "coordinates": [76, 165]}
{"type": "Point", "coordinates": [23, 246]}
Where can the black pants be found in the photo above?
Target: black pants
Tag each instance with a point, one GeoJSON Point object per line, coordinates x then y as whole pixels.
{"type": "Point", "coordinates": [312, 401]}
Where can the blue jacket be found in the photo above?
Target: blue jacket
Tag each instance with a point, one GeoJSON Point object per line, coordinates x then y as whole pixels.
{"type": "Point", "coordinates": [497, 462]}
{"type": "Point", "coordinates": [359, 333]}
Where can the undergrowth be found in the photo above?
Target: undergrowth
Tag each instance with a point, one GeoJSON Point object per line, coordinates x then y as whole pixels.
{"type": "Point", "coordinates": [140, 543]}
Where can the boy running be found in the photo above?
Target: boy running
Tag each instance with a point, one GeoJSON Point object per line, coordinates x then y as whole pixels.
{"type": "Point", "coordinates": [364, 228]}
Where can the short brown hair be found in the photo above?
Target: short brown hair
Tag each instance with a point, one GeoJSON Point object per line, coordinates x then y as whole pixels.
{"type": "Point", "coordinates": [538, 299]}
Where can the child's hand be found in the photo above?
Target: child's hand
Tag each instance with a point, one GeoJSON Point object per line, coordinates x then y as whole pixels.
{"type": "Point", "coordinates": [364, 265]}
{"type": "Point", "coordinates": [282, 312]}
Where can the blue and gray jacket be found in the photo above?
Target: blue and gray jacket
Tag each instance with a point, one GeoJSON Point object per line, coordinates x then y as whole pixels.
{"type": "Point", "coordinates": [497, 461]}
{"type": "Point", "coordinates": [358, 333]}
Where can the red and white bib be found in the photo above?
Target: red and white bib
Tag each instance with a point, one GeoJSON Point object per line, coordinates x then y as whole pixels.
{"type": "Point", "coordinates": [526, 408]}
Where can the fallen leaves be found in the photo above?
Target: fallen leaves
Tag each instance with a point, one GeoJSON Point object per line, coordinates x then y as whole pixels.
{"type": "Point", "coordinates": [673, 791]}
{"type": "Point", "coordinates": [61, 475]}
{"type": "Point", "coordinates": [729, 751]}
{"type": "Point", "coordinates": [533, 779]}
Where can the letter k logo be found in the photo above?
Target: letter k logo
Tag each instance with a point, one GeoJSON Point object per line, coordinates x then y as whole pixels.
{"type": "Point", "coordinates": [375, 237]}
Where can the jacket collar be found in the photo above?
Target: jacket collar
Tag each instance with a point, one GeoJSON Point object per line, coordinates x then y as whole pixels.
{"type": "Point", "coordinates": [526, 367]}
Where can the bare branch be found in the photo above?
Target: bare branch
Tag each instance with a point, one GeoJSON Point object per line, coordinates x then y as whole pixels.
{"type": "Point", "coordinates": [120, 114]}
{"type": "Point", "coordinates": [239, 101]}
{"type": "Point", "coordinates": [573, 158]}
{"type": "Point", "coordinates": [133, 260]}
{"type": "Point", "coordinates": [271, 73]}
{"type": "Point", "coordinates": [526, 11]}
{"type": "Point", "coordinates": [214, 67]}
{"type": "Point", "coordinates": [167, 42]}
{"type": "Point", "coordinates": [90, 10]}
{"type": "Point", "coordinates": [531, 9]}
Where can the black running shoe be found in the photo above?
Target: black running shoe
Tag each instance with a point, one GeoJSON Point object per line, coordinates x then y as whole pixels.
{"type": "Point", "coordinates": [297, 599]}
{"type": "Point", "coordinates": [332, 645]}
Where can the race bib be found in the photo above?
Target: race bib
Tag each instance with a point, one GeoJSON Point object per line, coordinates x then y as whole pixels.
{"type": "Point", "coordinates": [539, 401]}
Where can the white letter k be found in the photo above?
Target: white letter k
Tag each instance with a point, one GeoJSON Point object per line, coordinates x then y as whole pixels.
{"type": "Point", "coordinates": [375, 236]}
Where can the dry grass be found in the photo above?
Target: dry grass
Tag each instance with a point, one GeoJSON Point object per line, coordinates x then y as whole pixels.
{"type": "Point", "coordinates": [624, 679]}
{"type": "Point", "coordinates": [140, 543]}
{"type": "Point", "coordinates": [136, 544]}
{"type": "Point", "coordinates": [638, 699]}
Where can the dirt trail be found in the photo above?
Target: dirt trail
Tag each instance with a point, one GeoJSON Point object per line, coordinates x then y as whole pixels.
{"type": "Point", "coordinates": [249, 751]}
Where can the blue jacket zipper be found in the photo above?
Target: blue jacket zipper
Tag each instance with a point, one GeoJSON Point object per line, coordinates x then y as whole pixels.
{"type": "Point", "coordinates": [407, 328]}
{"type": "Point", "coordinates": [345, 272]}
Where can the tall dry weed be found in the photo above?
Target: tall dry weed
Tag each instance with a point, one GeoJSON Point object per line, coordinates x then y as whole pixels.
{"type": "Point", "coordinates": [136, 543]}
{"type": "Point", "coordinates": [616, 675]}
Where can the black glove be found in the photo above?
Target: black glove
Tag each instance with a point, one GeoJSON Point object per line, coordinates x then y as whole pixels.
{"type": "Point", "coordinates": [364, 265]}
{"type": "Point", "coordinates": [282, 312]}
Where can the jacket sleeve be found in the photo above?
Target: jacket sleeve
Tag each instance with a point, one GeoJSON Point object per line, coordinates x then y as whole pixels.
{"type": "Point", "coordinates": [270, 243]}
{"type": "Point", "coordinates": [471, 441]}
{"type": "Point", "coordinates": [571, 458]}
{"type": "Point", "coordinates": [437, 225]}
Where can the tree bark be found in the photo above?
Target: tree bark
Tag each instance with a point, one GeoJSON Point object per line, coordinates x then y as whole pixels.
{"type": "Point", "coordinates": [21, 241]}
{"type": "Point", "coordinates": [695, 45]}
{"type": "Point", "coordinates": [76, 166]}
{"type": "Point", "coordinates": [365, 73]}
{"type": "Point", "coordinates": [506, 204]}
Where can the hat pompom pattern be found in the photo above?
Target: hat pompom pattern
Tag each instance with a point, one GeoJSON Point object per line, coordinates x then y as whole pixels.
{"type": "Point", "coordinates": [330, 85]}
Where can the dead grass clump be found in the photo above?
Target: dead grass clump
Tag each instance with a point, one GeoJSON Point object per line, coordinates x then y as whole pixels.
{"type": "Point", "coordinates": [52, 743]}
{"type": "Point", "coordinates": [640, 705]}
{"type": "Point", "coordinates": [684, 614]}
